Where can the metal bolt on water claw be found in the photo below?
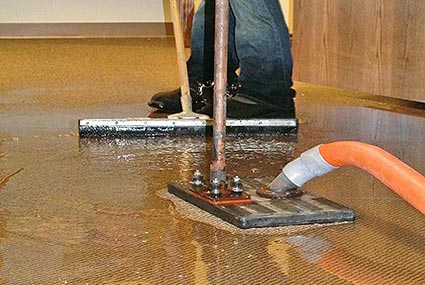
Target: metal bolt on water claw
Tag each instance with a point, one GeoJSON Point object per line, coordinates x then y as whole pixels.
{"type": "Point", "coordinates": [198, 178]}
{"type": "Point", "coordinates": [237, 185]}
{"type": "Point", "coordinates": [215, 187]}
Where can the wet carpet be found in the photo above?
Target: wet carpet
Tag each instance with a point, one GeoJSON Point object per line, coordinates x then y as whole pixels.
{"type": "Point", "coordinates": [89, 211]}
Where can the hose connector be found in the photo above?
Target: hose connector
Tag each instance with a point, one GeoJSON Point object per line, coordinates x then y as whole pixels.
{"type": "Point", "coordinates": [309, 165]}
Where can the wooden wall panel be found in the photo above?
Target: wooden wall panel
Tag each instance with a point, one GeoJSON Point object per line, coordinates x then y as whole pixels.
{"type": "Point", "coordinates": [374, 46]}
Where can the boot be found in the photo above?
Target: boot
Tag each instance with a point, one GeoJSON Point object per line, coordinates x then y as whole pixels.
{"type": "Point", "coordinates": [170, 101]}
{"type": "Point", "coordinates": [242, 105]}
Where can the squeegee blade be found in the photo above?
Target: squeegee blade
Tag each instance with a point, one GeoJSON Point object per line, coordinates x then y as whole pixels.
{"type": "Point", "coordinates": [261, 126]}
{"type": "Point", "coordinates": [140, 127]}
{"type": "Point", "coordinates": [143, 127]}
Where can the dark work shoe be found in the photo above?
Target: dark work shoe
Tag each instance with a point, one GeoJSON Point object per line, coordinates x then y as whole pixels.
{"type": "Point", "coordinates": [170, 101]}
{"type": "Point", "coordinates": [242, 106]}
{"type": "Point", "coordinates": [249, 104]}
{"type": "Point", "coordinates": [238, 108]}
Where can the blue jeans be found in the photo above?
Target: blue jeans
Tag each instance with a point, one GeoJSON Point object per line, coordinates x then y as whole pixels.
{"type": "Point", "coordinates": [259, 44]}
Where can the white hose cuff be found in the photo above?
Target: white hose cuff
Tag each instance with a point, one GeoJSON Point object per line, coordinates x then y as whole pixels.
{"type": "Point", "coordinates": [309, 165]}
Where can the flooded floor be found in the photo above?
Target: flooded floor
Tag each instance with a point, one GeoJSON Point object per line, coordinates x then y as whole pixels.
{"type": "Point", "coordinates": [94, 211]}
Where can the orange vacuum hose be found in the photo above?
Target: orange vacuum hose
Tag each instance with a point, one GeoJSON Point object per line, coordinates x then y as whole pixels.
{"type": "Point", "coordinates": [395, 174]}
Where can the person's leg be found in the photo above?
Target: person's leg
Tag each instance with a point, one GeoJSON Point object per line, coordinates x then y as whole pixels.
{"type": "Point", "coordinates": [201, 62]}
{"type": "Point", "coordinates": [263, 48]}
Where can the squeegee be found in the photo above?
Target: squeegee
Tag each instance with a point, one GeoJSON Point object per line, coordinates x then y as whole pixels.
{"type": "Point", "coordinates": [185, 98]}
{"type": "Point", "coordinates": [187, 122]}
{"type": "Point", "coordinates": [248, 203]}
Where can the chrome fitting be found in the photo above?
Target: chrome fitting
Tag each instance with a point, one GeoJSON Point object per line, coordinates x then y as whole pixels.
{"type": "Point", "coordinates": [198, 178]}
{"type": "Point", "coordinates": [237, 185]}
{"type": "Point", "coordinates": [216, 187]}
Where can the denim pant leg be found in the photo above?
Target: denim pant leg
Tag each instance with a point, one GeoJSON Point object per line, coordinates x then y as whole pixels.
{"type": "Point", "coordinates": [263, 48]}
{"type": "Point", "coordinates": [201, 61]}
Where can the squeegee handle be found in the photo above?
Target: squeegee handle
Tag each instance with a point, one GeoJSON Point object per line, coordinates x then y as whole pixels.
{"type": "Point", "coordinates": [185, 99]}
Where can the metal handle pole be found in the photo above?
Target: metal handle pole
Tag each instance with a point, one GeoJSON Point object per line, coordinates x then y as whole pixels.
{"type": "Point", "coordinates": [218, 165]}
{"type": "Point", "coordinates": [185, 99]}
{"type": "Point", "coordinates": [181, 57]}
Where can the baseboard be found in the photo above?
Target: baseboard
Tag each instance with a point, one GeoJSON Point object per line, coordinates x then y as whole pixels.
{"type": "Point", "coordinates": [65, 30]}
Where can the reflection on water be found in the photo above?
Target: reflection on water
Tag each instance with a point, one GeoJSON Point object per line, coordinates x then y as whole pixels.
{"type": "Point", "coordinates": [183, 155]}
{"type": "Point", "coordinates": [311, 249]}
